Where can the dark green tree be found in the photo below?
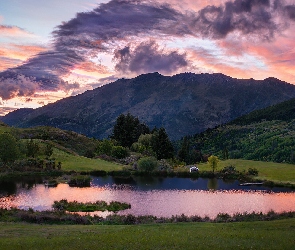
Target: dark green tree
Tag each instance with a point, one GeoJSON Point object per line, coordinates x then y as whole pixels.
{"type": "Point", "coordinates": [127, 130]}
{"type": "Point", "coordinates": [9, 150]}
{"type": "Point", "coordinates": [183, 153]}
{"type": "Point", "coordinates": [161, 145]}
{"type": "Point", "coordinates": [225, 153]}
{"type": "Point", "coordinates": [48, 150]}
{"type": "Point", "coordinates": [32, 148]}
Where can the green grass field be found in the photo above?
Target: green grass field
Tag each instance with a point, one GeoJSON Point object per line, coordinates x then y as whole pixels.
{"type": "Point", "coordinates": [278, 172]}
{"type": "Point", "coordinates": [247, 235]}
{"type": "Point", "coordinates": [80, 163]}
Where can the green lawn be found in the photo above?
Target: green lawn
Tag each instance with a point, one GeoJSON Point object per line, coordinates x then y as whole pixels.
{"type": "Point", "coordinates": [279, 172]}
{"type": "Point", "coordinates": [80, 163]}
{"type": "Point", "coordinates": [247, 235]}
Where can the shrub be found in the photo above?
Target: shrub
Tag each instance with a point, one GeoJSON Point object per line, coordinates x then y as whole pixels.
{"type": "Point", "coordinates": [80, 181]}
{"type": "Point", "coordinates": [252, 171]}
{"type": "Point", "coordinates": [89, 153]}
{"type": "Point", "coordinates": [164, 165]}
{"type": "Point", "coordinates": [105, 147]}
{"type": "Point", "coordinates": [119, 152]}
{"type": "Point", "coordinates": [147, 164]}
{"type": "Point", "coordinates": [230, 172]}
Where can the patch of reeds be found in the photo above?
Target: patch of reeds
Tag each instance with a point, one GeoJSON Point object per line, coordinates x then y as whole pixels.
{"type": "Point", "coordinates": [75, 206]}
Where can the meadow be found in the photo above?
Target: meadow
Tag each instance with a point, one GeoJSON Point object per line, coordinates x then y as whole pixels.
{"type": "Point", "coordinates": [271, 171]}
{"type": "Point", "coordinates": [277, 172]}
{"type": "Point", "coordinates": [78, 163]}
{"type": "Point", "coordinates": [243, 235]}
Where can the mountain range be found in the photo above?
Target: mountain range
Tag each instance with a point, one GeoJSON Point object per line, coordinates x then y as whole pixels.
{"type": "Point", "coordinates": [184, 104]}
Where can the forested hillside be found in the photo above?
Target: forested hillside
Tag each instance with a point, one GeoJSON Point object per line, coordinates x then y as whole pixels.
{"type": "Point", "coordinates": [267, 135]}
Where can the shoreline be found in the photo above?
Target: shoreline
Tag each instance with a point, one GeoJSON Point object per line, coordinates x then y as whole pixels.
{"type": "Point", "coordinates": [245, 179]}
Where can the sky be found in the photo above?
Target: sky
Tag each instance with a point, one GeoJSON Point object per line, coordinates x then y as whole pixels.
{"type": "Point", "coordinates": [59, 48]}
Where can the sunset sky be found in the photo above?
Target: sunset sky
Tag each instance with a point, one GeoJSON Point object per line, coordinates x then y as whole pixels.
{"type": "Point", "coordinates": [58, 48]}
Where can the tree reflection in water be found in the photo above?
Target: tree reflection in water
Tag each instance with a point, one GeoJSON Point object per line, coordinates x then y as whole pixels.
{"type": "Point", "coordinates": [212, 184]}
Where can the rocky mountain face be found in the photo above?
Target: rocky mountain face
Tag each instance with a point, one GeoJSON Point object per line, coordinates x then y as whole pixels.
{"type": "Point", "coordinates": [183, 104]}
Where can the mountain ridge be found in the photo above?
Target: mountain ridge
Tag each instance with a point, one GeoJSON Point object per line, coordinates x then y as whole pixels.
{"type": "Point", "coordinates": [184, 104]}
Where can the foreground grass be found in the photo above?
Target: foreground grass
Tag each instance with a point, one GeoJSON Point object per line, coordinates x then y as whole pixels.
{"type": "Point", "coordinates": [79, 163]}
{"type": "Point", "coordinates": [278, 172]}
{"type": "Point", "coordinates": [247, 235]}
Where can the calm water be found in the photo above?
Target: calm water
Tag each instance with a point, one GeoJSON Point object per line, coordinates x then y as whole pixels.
{"type": "Point", "coordinates": [153, 196]}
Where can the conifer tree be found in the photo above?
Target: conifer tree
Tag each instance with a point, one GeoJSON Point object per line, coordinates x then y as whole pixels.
{"type": "Point", "coordinates": [127, 130]}
{"type": "Point", "coordinates": [161, 145]}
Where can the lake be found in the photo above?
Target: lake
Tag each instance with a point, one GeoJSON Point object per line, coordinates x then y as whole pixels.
{"type": "Point", "coordinates": [153, 195]}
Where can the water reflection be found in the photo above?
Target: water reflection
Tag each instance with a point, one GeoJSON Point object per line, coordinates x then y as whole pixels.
{"type": "Point", "coordinates": [156, 196]}
{"type": "Point", "coordinates": [7, 188]}
{"type": "Point", "coordinates": [161, 183]}
{"type": "Point", "coordinates": [212, 184]}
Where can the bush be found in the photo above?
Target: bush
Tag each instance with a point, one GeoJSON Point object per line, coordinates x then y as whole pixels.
{"type": "Point", "coordinates": [80, 181]}
{"type": "Point", "coordinates": [105, 147]}
{"type": "Point", "coordinates": [89, 153]}
{"type": "Point", "coordinates": [252, 171]}
{"type": "Point", "coordinates": [119, 152]}
{"type": "Point", "coordinates": [164, 165]}
{"type": "Point", "coordinates": [147, 164]}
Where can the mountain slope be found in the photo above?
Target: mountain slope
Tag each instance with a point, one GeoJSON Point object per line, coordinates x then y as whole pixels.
{"type": "Point", "coordinates": [267, 134]}
{"type": "Point", "coordinates": [184, 104]}
{"type": "Point", "coordinates": [284, 111]}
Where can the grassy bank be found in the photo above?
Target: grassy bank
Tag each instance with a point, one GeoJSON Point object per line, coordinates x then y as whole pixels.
{"type": "Point", "coordinates": [77, 163]}
{"type": "Point", "coordinates": [277, 172]}
{"type": "Point", "coordinates": [254, 235]}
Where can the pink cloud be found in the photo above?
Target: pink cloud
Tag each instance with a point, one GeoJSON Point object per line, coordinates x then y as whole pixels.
{"type": "Point", "coordinates": [22, 52]}
{"type": "Point", "coordinates": [7, 30]}
{"type": "Point", "coordinates": [209, 62]}
{"type": "Point", "coordinates": [13, 55]}
{"type": "Point", "coordinates": [6, 110]}
{"type": "Point", "coordinates": [6, 63]}
{"type": "Point", "coordinates": [92, 67]}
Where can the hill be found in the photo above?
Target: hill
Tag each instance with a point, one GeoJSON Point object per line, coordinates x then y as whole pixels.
{"type": "Point", "coordinates": [68, 141]}
{"type": "Point", "coordinates": [68, 147]}
{"type": "Point", "coordinates": [183, 104]}
{"type": "Point", "coordinates": [267, 134]}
